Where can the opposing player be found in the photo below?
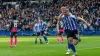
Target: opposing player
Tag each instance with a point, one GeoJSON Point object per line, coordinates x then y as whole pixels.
{"type": "Point", "coordinates": [71, 28]}
{"type": "Point", "coordinates": [13, 29]}
{"type": "Point", "coordinates": [37, 29]}
{"type": "Point", "coordinates": [43, 30]}
{"type": "Point", "coordinates": [60, 31]}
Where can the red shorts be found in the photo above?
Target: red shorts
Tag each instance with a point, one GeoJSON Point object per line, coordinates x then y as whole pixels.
{"type": "Point", "coordinates": [61, 30]}
{"type": "Point", "coordinates": [14, 29]}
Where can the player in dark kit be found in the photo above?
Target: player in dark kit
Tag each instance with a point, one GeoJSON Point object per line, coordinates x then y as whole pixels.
{"type": "Point", "coordinates": [60, 30]}
{"type": "Point", "coordinates": [13, 30]}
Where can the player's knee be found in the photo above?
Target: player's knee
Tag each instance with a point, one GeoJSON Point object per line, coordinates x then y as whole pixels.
{"type": "Point", "coordinates": [70, 41]}
{"type": "Point", "coordinates": [15, 36]}
{"type": "Point", "coordinates": [75, 42]}
{"type": "Point", "coordinates": [61, 35]}
{"type": "Point", "coordinates": [11, 36]}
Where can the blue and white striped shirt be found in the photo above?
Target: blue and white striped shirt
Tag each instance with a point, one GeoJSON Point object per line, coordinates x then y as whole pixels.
{"type": "Point", "coordinates": [70, 23]}
{"type": "Point", "coordinates": [43, 26]}
{"type": "Point", "coordinates": [37, 27]}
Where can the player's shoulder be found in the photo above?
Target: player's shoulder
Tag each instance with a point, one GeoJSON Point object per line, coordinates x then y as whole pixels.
{"type": "Point", "coordinates": [44, 22]}
{"type": "Point", "coordinates": [70, 13]}
{"type": "Point", "coordinates": [73, 16]}
{"type": "Point", "coordinates": [63, 16]}
{"type": "Point", "coordinates": [36, 23]}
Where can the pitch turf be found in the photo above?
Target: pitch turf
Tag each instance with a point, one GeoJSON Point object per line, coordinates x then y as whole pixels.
{"type": "Point", "coordinates": [89, 46]}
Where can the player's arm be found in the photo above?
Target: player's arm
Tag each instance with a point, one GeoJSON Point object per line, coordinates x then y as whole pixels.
{"type": "Point", "coordinates": [11, 26]}
{"type": "Point", "coordinates": [46, 28]}
{"type": "Point", "coordinates": [35, 28]}
{"type": "Point", "coordinates": [79, 18]}
{"type": "Point", "coordinates": [60, 16]}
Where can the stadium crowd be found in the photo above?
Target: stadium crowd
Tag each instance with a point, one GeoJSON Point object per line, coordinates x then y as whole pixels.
{"type": "Point", "coordinates": [27, 13]}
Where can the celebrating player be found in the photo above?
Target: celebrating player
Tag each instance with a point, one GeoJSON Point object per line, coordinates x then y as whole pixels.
{"type": "Point", "coordinates": [13, 29]}
{"type": "Point", "coordinates": [71, 28]}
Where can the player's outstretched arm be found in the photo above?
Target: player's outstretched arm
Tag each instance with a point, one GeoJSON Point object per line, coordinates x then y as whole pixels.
{"type": "Point", "coordinates": [79, 18]}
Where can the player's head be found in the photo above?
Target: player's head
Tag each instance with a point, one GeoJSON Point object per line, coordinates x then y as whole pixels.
{"type": "Point", "coordinates": [39, 19]}
{"type": "Point", "coordinates": [65, 10]}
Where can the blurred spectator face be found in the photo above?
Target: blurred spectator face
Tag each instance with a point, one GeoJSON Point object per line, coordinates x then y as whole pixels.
{"type": "Point", "coordinates": [0, 16]}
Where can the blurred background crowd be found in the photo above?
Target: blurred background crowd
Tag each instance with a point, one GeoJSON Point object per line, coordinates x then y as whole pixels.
{"type": "Point", "coordinates": [27, 13]}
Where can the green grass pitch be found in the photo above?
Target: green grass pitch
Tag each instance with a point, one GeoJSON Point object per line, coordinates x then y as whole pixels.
{"type": "Point", "coordinates": [89, 46]}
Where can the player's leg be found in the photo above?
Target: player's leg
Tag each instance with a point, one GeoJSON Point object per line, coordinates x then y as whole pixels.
{"type": "Point", "coordinates": [69, 39]}
{"type": "Point", "coordinates": [71, 43]}
{"type": "Point", "coordinates": [73, 47]}
{"type": "Point", "coordinates": [11, 39]}
{"type": "Point", "coordinates": [68, 51]}
{"type": "Point", "coordinates": [62, 38]}
{"type": "Point", "coordinates": [70, 36]}
{"type": "Point", "coordinates": [76, 37]}
{"type": "Point", "coordinates": [41, 40]}
{"type": "Point", "coordinates": [45, 37]}
{"type": "Point", "coordinates": [40, 37]}
{"type": "Point", "coordinates": [69, 47]}
{"type": "Point", "coordinates": [58, 37]}
{"type": "Point", "coordinates": [15, 42]}
{"type": "Point", "coordinates": [37, 34]}
{"type": "Point", "coordinates": [75, 41]}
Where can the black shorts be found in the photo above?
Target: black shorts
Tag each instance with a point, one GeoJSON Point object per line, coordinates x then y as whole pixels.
{"type": "Point", "coordinates": [38, 34]}
{"type": "Point", "coordinates": [13, 34]}
{"type": "Point", "coordinates": [42, 33]}
{"type": "Point", "coordinates": [60, 33]}
{"type": "Point", "coordinates": [72, 33]}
